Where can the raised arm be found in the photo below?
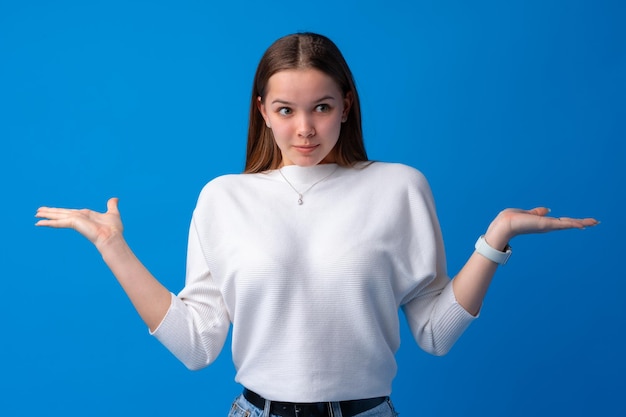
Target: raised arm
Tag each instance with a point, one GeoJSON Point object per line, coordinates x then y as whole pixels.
{"type": "Point", "coordinates": [471, 283]}
{"type": "Point", "coordinates": [104, 230]}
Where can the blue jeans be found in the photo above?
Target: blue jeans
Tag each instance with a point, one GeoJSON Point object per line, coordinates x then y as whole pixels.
{"type": "Point", "coordinates": [242, 408]}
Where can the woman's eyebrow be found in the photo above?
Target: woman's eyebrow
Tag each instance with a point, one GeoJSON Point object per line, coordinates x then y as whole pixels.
{"type": "Point", "coordinates": [285, 102]}
{"type": "Point", "coordinates": [279, 101]}
{"type": "Point", "coordinates": [325, 98]}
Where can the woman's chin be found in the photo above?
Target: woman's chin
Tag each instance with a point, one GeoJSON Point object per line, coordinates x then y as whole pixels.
{"type": "Point", "coordinates": [308, 161]}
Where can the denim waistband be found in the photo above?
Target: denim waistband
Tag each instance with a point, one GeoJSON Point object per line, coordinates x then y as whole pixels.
{"type": "Point", "coordinates": [321, 409]}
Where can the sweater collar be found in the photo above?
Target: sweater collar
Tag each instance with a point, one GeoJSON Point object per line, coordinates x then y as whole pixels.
{"type": "Point", "coordinates": [304, 175]}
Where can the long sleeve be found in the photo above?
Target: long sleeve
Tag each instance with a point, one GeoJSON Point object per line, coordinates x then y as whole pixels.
{"type": "Point", "coordinates": [435, 317]}
{"type": "Point", "coordinates": [197, 322]}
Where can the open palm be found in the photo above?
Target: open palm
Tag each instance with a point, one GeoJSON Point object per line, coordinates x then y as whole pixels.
{"type": "Point", "coordinates": [520, 222]}
{"type": "Point", "coordinates": [95, 226]}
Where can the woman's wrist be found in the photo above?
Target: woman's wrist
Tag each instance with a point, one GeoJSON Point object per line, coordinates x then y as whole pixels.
{"type": "Point", "coordinates": [114, 246]}
{"type": "Point", "coordinates": [499, 233]}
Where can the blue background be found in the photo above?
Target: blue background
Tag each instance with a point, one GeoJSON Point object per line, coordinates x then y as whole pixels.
{"type": "Point", "coordinates": [500, 104]}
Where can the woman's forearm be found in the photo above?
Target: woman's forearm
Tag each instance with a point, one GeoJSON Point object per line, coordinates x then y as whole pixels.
{"type": "Point", "coordinates": [149, 297]}
{"type": "Point", "coordinates": [472, 282]}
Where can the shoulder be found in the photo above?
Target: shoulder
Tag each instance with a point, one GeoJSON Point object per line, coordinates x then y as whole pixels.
{"type": "Point", "coordinates": [218, 183]}
{"type": "Point", "coordinates": [392, 173]}
{"type": "Point", "coordinates": [227, 185]}
{"type": "Point", "coordinates": [233, 180]}
{"type": "Point", "coordinates": [224, 180]}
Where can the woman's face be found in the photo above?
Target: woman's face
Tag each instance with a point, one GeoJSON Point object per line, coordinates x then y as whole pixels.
{"type": "Point", "coordinates": [305, 109]}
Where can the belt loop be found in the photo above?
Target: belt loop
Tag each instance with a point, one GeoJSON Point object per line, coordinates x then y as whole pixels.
{"type": "Point", "coordinates": [266, 410]}
{"type": "Point", "coordinates": [335, 409]}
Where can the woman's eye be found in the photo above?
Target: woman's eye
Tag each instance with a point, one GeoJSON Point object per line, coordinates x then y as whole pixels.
{"type": "Point", "coordinates": [323, 108]}
{"type": "Point", "coordinates": [284, 111]}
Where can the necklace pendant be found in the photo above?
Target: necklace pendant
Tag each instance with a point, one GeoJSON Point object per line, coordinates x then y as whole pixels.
{"type": "Point", "coordinates": [300, 194]}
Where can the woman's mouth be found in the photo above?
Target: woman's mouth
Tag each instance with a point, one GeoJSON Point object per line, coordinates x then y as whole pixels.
{"type": "Point", "coordinates": [305, 148]}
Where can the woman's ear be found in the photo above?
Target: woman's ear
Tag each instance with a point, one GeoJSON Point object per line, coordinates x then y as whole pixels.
{"type": "Point", "coordinates": [261, 107]}
{"type": "Point", "coordinates": [347, 105]}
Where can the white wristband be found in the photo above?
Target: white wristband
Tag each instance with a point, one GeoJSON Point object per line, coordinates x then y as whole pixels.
{"type": "Point", "coordinates": [492, 254]}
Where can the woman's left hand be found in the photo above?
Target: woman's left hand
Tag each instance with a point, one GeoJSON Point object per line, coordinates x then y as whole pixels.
{"type": "Point", "coordinates": [512, 222]}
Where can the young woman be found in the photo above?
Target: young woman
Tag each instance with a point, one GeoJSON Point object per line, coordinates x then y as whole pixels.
{"type": "Point", "coordinates": [310, 253]}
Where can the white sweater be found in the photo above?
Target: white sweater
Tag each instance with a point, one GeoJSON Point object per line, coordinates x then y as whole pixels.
{"type": "Point", "coordinates": [313, 290]}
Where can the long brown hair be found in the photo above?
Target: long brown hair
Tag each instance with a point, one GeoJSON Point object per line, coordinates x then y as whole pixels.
{"type": "Point", "coordinates": [302, 51]}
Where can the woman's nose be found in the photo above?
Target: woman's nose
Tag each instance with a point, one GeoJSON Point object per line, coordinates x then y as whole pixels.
{"type": "Point", "coordinates": [305, 128]}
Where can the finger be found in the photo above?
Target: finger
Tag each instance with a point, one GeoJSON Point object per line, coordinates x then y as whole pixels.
{"type": "Point", "coordinates": [562, 223]}
{"type": "Point", "coordinates": [60, 213]}
{"type": "Point", "coordinates": [112, 205]}
{"type": "Point", "coordinates": [64, 223]}
{"type": "Point", "coordinates": [53, 210]}
{"type": "Point", "coordinates": [43, 211]}
{"type": "Point", "coordinates": [590, 221]}
{"type": "Point", "coordinates": [539, 211]}
{"type": "Point", "coordinates": [581, 223]}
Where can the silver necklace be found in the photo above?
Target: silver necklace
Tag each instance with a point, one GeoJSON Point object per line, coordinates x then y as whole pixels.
{"type": "Point", "coordinates": [301, 194]}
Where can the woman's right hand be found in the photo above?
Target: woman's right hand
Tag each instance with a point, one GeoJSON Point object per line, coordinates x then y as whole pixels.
{"type": "Point", "coordinates": [150, 298]}
{"type": "Point", "coordinates": [99, 228]}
